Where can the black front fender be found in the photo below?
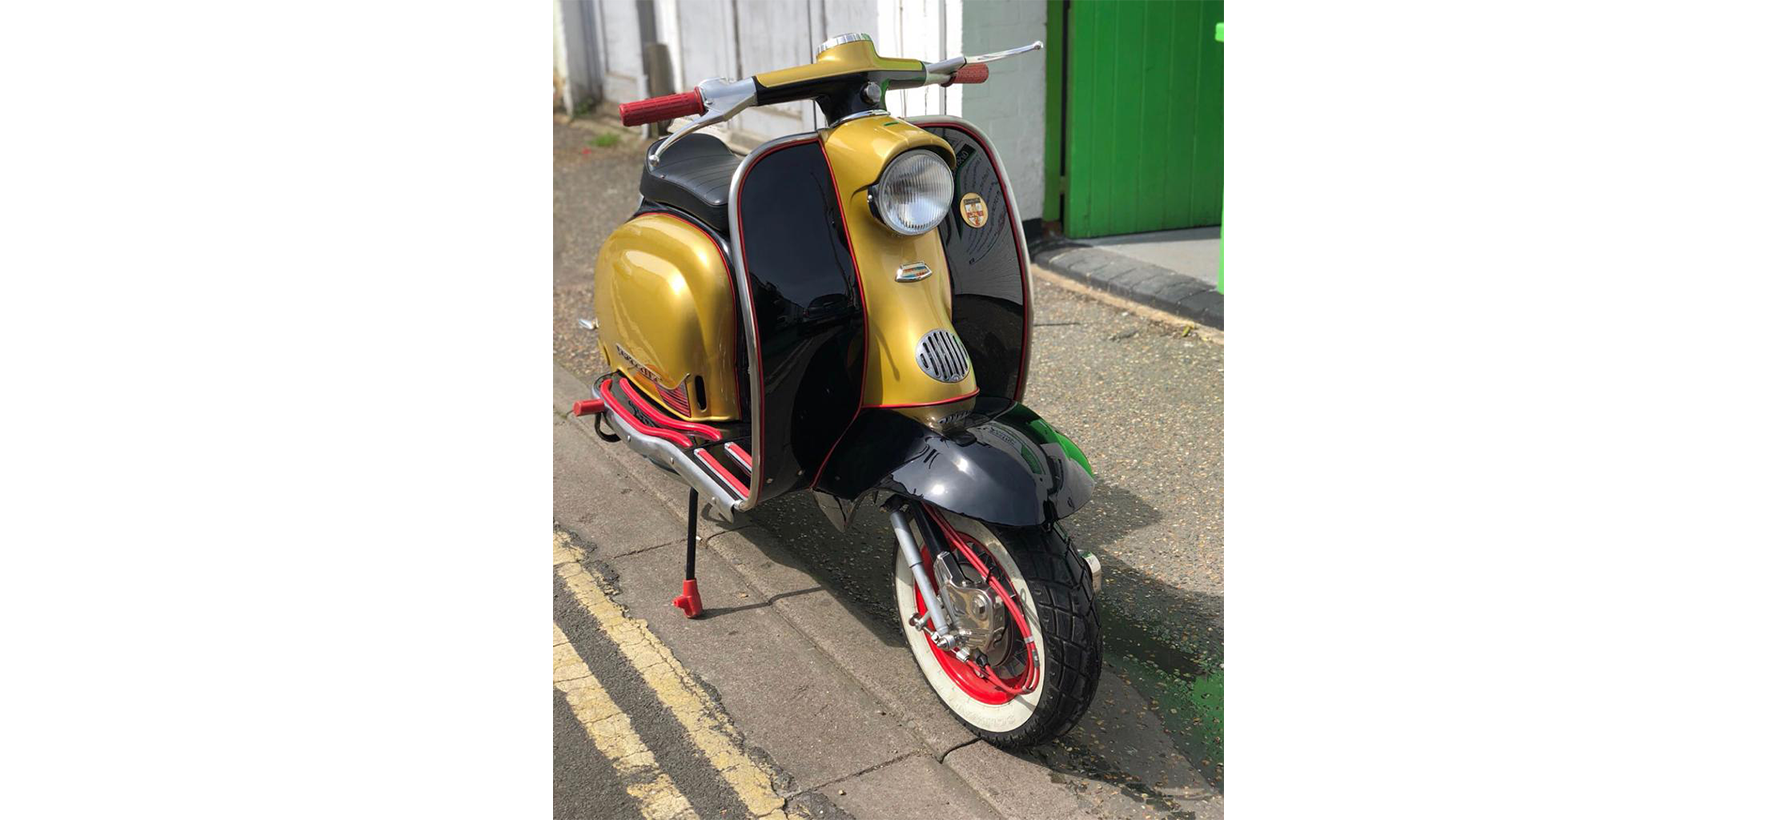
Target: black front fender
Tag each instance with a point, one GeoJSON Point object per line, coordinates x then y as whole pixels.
{"type": "Point", "coordinates": [1001, 464]}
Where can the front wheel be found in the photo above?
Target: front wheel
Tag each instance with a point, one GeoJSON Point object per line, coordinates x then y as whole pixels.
{"type": "Point", "coordinates": [1007, 695]}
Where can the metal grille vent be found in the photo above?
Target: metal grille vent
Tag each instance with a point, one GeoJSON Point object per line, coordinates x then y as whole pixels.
{"type": "Point", "coordinates": [941, 355]}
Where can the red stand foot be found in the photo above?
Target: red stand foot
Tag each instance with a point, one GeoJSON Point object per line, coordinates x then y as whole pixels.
{"type": "Point", "coordinates": [688, 599]}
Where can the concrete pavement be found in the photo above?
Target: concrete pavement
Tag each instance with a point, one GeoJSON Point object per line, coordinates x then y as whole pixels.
{"type": "Point", "coordinates": [1194, 252]}
{"type": "Point", "coordinates": [1174, 271]}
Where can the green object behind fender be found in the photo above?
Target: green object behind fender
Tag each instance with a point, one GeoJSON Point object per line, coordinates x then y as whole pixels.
{"type": "Point", "coordinates": [1051, 436]}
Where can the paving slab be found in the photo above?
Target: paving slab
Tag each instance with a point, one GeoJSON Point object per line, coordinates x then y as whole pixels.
{"type": "Point", "coordinates": [1120, 760]}
{"type": "Point", "coordinates": [780, 691]}
{"type": "Point", "coordinates": [881, 664]}
{"type": "Point", "coordinates": [588, 484]}
{"type": "Point", "coordinates": [1153, 276]}
{"type": "Point", "coordinates": [1195, 252]}
{"type": "Point", "coordinates": [1110, 768]}
{"type": "Point", "coordinates": [1014, 786]}
{"type": "Point", "coordinates": [912, 787]}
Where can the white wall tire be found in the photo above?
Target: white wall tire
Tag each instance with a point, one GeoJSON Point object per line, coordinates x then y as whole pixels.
{"type": "Point", "coordinates": [1042, 577]}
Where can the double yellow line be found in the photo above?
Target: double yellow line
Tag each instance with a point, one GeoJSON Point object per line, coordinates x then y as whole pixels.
{"type": "Point", "coordinates": [610, 730]}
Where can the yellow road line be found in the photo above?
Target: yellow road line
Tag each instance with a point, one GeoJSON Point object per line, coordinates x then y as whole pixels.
{"type": "Point", "coordinates": [710, 731]}
{"type": "Point", "coordinates": [656, 796]}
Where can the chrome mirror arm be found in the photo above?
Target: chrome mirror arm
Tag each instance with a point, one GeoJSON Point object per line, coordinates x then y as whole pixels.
{"type": "Point", "coordinates": [723, 99]}
{"type": "Point", "coordinates": [944, 69]}
{"type": "Point", "coordinates": [1002, 55]}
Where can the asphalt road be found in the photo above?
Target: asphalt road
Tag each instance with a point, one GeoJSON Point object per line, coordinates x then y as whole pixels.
{"type": "Point", "coordinates": [1141, 398]}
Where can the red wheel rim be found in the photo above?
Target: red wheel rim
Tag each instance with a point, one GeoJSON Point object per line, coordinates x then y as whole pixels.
{"type": "Point", "coordinates": [984, 690]}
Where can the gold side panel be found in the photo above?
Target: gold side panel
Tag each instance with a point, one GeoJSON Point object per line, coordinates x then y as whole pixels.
{"type": "Point", "coordinates": [846, 58]}
{"type": "Point", "coordinates": [897, 314]}
{"type": "Point", "coordinates": [666, 314]}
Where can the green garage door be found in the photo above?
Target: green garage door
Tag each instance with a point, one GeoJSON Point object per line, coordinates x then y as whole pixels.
{"type": "Point", "coordinates": [1135, 131]}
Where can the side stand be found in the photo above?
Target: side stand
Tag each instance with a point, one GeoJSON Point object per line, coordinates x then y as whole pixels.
{"type": "Point", "coordinates": [688, 597]}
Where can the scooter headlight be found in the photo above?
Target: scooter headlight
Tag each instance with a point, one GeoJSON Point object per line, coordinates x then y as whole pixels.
{"type": "Point", "coordinates": [914, 193]}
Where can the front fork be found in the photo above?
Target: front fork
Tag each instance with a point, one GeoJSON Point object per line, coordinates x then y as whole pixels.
{"type": "Point", "coordinates": [941, 618]}
{"type": "Point", "coordinates": [942, 632]}
{"type": "Point", "coordinates": [946, 630]}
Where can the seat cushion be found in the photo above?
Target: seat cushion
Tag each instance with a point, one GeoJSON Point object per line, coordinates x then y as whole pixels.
{"type": "Point", "coordinates": [694, 177]}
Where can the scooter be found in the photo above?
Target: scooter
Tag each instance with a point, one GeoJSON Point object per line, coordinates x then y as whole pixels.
{"type": "Point", "coordinates": [848, 312]}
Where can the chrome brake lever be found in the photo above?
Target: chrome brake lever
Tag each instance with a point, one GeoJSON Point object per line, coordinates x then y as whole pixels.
{"type": "Point", "coordinates": [723, 99]}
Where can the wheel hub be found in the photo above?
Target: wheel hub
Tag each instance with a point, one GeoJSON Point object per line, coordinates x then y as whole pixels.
{"type": "Point", "coordinates": [981, 619]}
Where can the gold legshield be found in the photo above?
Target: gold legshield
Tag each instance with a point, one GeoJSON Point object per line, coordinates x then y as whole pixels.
{"type": "Point", "coordinates": [898, 314]}
{"type": "Point", "coordinates": [667, 316]}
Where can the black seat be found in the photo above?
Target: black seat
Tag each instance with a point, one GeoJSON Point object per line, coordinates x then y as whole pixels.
{"type": "Point", "coordinates": [694, 177]}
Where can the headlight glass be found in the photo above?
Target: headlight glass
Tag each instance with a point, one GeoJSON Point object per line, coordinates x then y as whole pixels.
{"type": "Point", "coordinates": [914, 193]}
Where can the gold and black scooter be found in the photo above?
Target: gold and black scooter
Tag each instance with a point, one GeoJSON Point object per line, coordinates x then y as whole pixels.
{"type": "Point", "coordinates": [849, 312]}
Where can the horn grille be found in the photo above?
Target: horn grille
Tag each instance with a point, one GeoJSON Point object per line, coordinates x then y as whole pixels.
{"type": "Point", "coordinates": [941, 355]}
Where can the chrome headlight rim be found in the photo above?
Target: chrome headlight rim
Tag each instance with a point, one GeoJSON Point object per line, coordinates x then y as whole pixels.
{"type": "Point", "coordinates": [876, 196]}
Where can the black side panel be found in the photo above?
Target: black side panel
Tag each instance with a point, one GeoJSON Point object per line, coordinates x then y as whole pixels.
{"type": "Point", "coordinates": [807, 311]}
{"type": "Point", "coordinates": [989, 302]}
{"type": "Point", "coordinates": [1001, 464]}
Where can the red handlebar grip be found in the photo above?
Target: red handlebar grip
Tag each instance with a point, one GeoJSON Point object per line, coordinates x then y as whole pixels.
{"type": "Point", "coordinates": [661, 109]}
{"type": "Point", "coordinates": [970, 73]}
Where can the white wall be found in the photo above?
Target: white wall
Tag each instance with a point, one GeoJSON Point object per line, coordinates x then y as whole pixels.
{"type": "Point", "coordinates": [578, 64]}
{"type": "Point", "coordinates": [775, 34]}
{"type": "Point", "coordinates": [559, 50]}
{"type": "Point", "coordinates": [778, 34]}
{"type": "Point", "coordinates": [926, 30]}
{"type": "Point", "coordinates": [1009, 108]}
{"type": "Point", "coordinates": [741, 38]}
{"type": "Point", "coordinates": [667, 17]}
{"type": "Point", "coordinates": [622, 51]}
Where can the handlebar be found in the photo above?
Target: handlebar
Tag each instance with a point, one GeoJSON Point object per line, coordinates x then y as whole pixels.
{"type": "Point", "coordinates": [690, 103]}
{"type": "Point", "coordinates": [717, 100]}
{"type": "Point", "coordinates": [661, 109]}
{"type": "Point", "coordinates": [970, 73]}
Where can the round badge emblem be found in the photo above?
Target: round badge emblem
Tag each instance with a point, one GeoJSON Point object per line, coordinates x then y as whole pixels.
{"type": "Point", "coordinates": [974, 210]}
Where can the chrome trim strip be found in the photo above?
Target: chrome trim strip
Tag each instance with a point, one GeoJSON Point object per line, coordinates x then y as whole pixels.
{"type": "Point", "coordinates": [1025, 256]}
{"type": "Point", "coordinates": [842, 39]}
{"type": "Point", "coordinates": [913, 272]}
{"type": "Point", "coordinates": [869, 112]}
{"type": "Point", "coordinates": [945, 68]}
{"type": "Point", "coordinates": [659, 450]}
{"type": "Point", "coordinates": [745, 303]}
